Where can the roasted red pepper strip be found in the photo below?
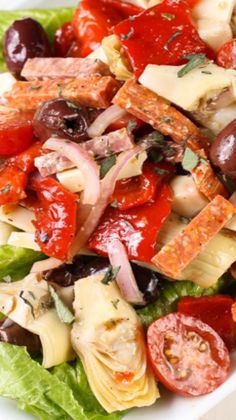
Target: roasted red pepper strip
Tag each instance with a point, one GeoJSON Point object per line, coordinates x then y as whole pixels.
{"type": "Point", "coordinates": [16, 132]}
{"type": "Point", "coordinates": [93, 21]}
{"type": "Point", "coordinates": [55, 218]}
{"type": "Point", "coordinates": [226, 56]}
{"type": "Point", "coordinates": [65, 41]}
{"type": "Point", "coordinates": [163, 34]}
{"type": "Point", "coordinates": [137, 228]}
{"type": "Point", "coordinates": [25, 160]}
{"type": "Point", "coordinates": [12, 185]}
{"type": "Point", "coordinates": [138, 190]}
{"type": "Point", "coordinates": [214, 311]}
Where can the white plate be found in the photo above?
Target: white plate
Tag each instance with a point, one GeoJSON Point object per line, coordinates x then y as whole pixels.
{"type": "Point", "coordinates": [169, 407]}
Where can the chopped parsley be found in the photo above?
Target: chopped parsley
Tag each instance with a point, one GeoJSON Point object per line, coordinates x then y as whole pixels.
{"type": "Point", "coordinates": [155, 155]}
{"type": "Point", "coordinates": [115, 303]}
{"type": "Point", "coordinates": [60, 88]}
{"type": "Point", "coordinates": [110, 275]}
{"type": "Point", "coordinates": [126, 37]}
{"type": "Point", "coordinates": [168, 16]}
{"type": "Point", "coordinates": [161, 171]}
{"type": "Point", "coordinates": [106, 165]}
{"type": "Point", "coordinates": [132, 125]}
{"type": "Point", "coordinates": [6, 189]}
{"type": "Point", "coordinates": [190, 160]}
{"type": "Point", "coordinates": [206, 72]}
{"type": "Point", "coordinates": [34, 88]}
{"type": "Point", "coordinates": [167, 119]}
{"type": "Point", "coordinates": [172, 38]}
{"type": "Point", "coordinates": [194, 61]}
{"type": "Point", "coordinates": [63, 312]}
{"type": "Point", "coordinates": [114, 204]}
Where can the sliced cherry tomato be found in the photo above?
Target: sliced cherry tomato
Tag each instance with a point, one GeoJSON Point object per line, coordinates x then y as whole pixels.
{"type": "Point", "coordinates": [55, 218]}
{"type": "Point", "coordinates": [163, 34]}
{"type": "Point", "coordinates": [187, 355]}
{"type": "Point", "coordinates": [25, 160]}
{"type": "Point", "coordinates": [137, 228]}
{"type": "Point", "coordinates": [12, 185]}
{"type": "Point", "coordinates": [226, 56]}
{"type": "Point", "coordinates": [93, 21]}
{"type": "Point", "coordinates": [214, 311]}
{"type": "Point", "coordinates": [16, 132]}
{"type": "Point", "coordinates": [138, 190]}
{"type": "Point", "coordinates": [128, 121]}
{"type": "Point", "coordinates": [63, 39]}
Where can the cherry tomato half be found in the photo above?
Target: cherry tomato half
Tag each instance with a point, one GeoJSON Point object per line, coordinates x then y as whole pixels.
{"type": "Point", "coordinates": [16, 132]}
{"type": "Point", "coordinates": [187, 355]}
{"type": "Point", "coordinates": [214, 311]}
{"type": "Point", "coordinates": [226, 56]}
{"type": "Point", "coordinates": [55, 218]}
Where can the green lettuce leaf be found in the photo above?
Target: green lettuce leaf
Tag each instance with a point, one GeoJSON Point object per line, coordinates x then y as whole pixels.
{"type": "Point", "coordinates": [62, 393]}
{"type": "Point", "coordinates": [16, 262]}
{"type": "Point", "coordinates": [50, 19]}
{"type": "Point", "coordinates": [171, 293]}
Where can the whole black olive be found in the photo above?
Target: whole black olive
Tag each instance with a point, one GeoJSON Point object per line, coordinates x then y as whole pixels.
{"type": "Point", "coordinates": [62, 118]}
{"type": "Point", "coordinates": [24, 39]}
{"type": "Point", "coordinates": [12, 333]}
{"type": "Point", "coordinates": [223, 150]}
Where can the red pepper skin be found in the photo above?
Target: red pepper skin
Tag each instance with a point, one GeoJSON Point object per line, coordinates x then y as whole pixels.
{"type": "Point", "coordinates": [137, 228]}
{"type": "Point", "coordinates": [25, 160]}
{"type": "Point", "coordinates": [56, 215]}
{"type": "Point", "coordinates": [214, 311]}
{"type": "Point", "coordinates": [12, 185]}
{"type": "Point", "coordinates": [92, 21]}
{"type": "Point", "coordinates": [163, 34]}
{"type": "Point", "coordinates": [16, 132]}
{"type": "Point", "coordinates": [63, 40]}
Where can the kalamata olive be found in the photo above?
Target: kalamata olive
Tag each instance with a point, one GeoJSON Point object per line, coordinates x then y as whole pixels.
{"type": "Point", "coordinates": [24, 39]}
{"type": "Point", "coordinates": [223, 150]}
{"type": "Point", "coordinates": [12, 333]}
{"type": "Point", "coordinates": [62, 118]}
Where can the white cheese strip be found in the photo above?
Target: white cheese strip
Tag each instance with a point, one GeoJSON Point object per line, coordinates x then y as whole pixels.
{"type": "Point", "coordinates": [24, 240]}
{"type": "Point", "coordinates": [187, 91]}
{"type": "Point", "coordinates": [215, 9]}
{"type": "Point", "coordinates": [19, 217]}
{"type": "Point", "coordinates": [6, 83]}
{"type": "Point", "coordinates": [214, 33]}
{"type": "Point", "coordinates": [5, 232]}
{"type": "Point", "coordinates": [73, 179]}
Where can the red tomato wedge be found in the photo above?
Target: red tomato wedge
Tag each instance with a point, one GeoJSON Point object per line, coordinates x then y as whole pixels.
{"type": "Point", "coordinates": [93, 21]}
{"type": "Point", "coordinates": [214, 311]}
{"type": "Point", "coordinates": [163, 34]}
{"type": "Point", "coordinates": [137, 228]}
{"type": "Point", "coordinates": [25, 160]}
{"type": "Point", "coordinates": [138, 190]}
{"type": "Point", "coordinates": [187, 355]}
{"type": "Point", "coordinates": [226, 56]}
{"type": "Point", "coordinates": [12, 185]}
{"type": "Point", "coordinates": [56, 216]}
{"type": "Point", "coordinates": [16, 132]}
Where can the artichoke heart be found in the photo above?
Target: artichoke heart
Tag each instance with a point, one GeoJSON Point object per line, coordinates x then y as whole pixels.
{"type": "Point", "coordinates": [117, 61]}
{"type": "Point", "coordinates": [28, 303]}
{"type": "Point", "coordinates": [109, 339]}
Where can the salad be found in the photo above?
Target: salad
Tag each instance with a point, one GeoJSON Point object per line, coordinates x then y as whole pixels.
{"type": "Point", "coordinates": [117, 204]}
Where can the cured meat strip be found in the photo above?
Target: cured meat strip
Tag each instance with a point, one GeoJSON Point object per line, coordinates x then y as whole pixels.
{"type": "Point", "coordinates": [158, 112]}
{"type": "Point", "coordinates": [57, 67]}
{"type": "Point", "coordinates": [95, 92]}
{"type": "Point", "coordinates": [174, 257]}
{"type": "Point", "coordinates": [114, 142]}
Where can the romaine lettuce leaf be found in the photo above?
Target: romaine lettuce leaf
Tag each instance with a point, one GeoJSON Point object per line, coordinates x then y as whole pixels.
{"type": "Point", "coordinates": [62, 393]}
{"type": "Point", "coordinates": [172, 291]}
{"type": "Point", "coordinates": [50, 19]}
{"type": "Point", "coordinates": [16, 262]}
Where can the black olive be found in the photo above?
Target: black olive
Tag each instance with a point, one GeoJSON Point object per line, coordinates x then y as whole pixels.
{"type": "Point", "coordinates": [61, 118]}
{"type": "Point", "coordinates": [12, 333]}
{"type": "Point", "coordinates": [24, 39]}
{"type": "Point", "coordinates": [148, 281]}
{"type": "Point", "coordinates": [223, 150]}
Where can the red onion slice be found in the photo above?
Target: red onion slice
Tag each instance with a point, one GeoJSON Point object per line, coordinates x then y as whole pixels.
{"type": "Point", "coordinates": [45, 265]}
{"type": "Point", "coordinates": [110, 115]}
{"type": "Point", "coordinates": [107, 189]}
{"type": "Point", "coordinates": [84, 162]}
{"type": "Point", "coordinates": [125, 277]}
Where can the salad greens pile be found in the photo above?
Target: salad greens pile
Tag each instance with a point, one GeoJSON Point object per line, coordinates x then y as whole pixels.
{"type": "Point", "coordinates": [50, 19]}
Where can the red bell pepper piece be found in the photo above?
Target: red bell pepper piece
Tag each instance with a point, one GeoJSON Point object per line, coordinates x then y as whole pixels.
{"type": "Point", "coordinates": [12, 185]}
{"type": "Point", "coordinates": [16, 132]}
{"type": "Point", "coordinates": [25, 160]}
{"type": "Point", "coordinates": [214, 311]}
{"type": "Point", "coordinates": [163, 34]}
{"type": "Point", "coordinates": [137, 228]}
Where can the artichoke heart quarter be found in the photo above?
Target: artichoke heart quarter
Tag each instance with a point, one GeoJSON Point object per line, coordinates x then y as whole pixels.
{"type": "Point", "coordinates": [109, 339]}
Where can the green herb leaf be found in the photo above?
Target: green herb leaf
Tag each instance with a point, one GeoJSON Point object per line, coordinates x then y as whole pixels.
{"type": "Point", "coordinates": [63, 312]}
{"type": "Point", "coordinates": [172, 38]}
{"type": "Point", "coordinates": [190, 160]}
{"type": "Point", "coordinates": [115, 303]}
{"type": "Point", "coordinates": [110, 275]}
{"type": "Point", "coordinates": [6, 189]}
{"type": "Point", "coordinates": [167, 120]}
{"type": "Point", "coordinates": [127, 36]}
{"type": "Point", "coordinates": [60, 88]}
{"type": "Point", "coordinates": [155, 155]}
{"type": "Point", "coordinates": [114, 204]}
{"type": "Point", "coordinates": [131, 126]}
{"type": "Point", "coordinates": [206, 72]}
{"type": "Point", "coordinates": [160, 171]}
{"type": "Point", "coordinates": [106, 165]}
{"type": "Point", "coordinates": [34, 88]}
{"type": "Point", "coordinates": [194, 60]}
{"type": "Point", "coordinates": [168, 16]}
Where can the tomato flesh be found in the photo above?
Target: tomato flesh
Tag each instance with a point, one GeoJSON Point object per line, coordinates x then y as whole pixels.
{"type": "Point", "coordinates": [93, 21]}
{"type": "Point", "coordinates": [226, 56]}
{"type": "Point", "coordinates": [214, 311]}
{"type": "Point", "coordinates": [16, 132]}
{"type": "Point", "coordinates": [55, 218]}
{"type": "Point", "coordinates": [137, 228]}
{"type": "Point", "coordinates": [12, 185]}
{"type": "Point", "coordinates": [187, 355]}
{"type": "Point", "coordinates": [163, 34]}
